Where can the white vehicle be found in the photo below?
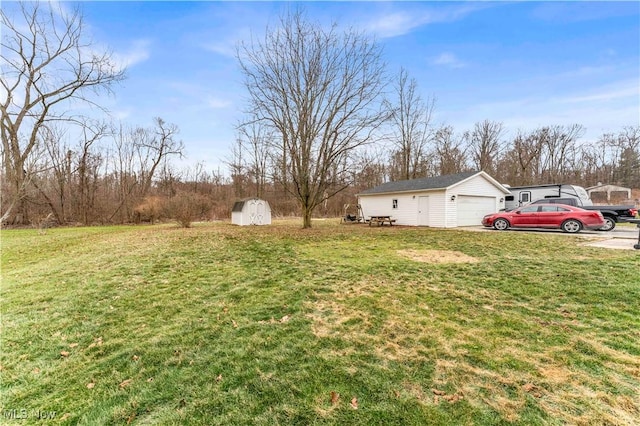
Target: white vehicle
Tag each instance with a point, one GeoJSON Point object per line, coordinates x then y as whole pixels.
{"type": "Point", "coordinates": [521, 195]}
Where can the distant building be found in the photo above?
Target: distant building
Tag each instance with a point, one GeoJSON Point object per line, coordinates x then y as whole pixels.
{"type": "Point", "coordinates": [602, 193]}
{"type": "Point", "coordinates": [251, 211]}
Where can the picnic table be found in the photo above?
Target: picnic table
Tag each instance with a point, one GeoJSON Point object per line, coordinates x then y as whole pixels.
{"type": "Point", "coordinates": [381, 220]}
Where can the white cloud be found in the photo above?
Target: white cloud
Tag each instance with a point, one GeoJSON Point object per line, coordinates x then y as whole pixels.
{"type": "Point", "coordinates": [226, 45]}
{"type": "Point", "coordinates": [605, 94]}
{"type": "Point", "coordinates": [448, 59]}
{"type": "Point", "coordinates": [137, 53]}
{"type": "Point", "coordinates": [224, 48]}
{"type": "Point", "coordinates": [403, 22]}
{"type": "Point", "coordinates": [218, 103]}
{"type": "Point", "coordinates": [396, 24]}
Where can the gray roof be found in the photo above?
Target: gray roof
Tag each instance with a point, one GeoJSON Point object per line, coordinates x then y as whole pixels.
{"type": "Point", "coordinates": [437, 182]}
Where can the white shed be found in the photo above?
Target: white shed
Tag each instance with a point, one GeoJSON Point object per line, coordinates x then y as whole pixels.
{"type": "Point", "coordinates": [444, 201]}
{"type": "Point", "coordinates": [251, 211]}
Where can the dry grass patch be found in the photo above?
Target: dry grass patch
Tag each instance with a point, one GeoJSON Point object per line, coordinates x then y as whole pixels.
{"type": "Point", "coordinates": [437, 256]}
{"type": "Point", "coordinates": [354, 314]}
{"type": "Point", "coordinates": [372, 313]}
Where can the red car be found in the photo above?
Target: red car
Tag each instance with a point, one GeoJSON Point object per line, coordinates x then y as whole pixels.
{"type": "Point", "coordinates": [568, 218]}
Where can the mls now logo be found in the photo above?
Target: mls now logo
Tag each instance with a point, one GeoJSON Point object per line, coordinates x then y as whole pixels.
{"type": "Point", "coordinates": [22, 413]}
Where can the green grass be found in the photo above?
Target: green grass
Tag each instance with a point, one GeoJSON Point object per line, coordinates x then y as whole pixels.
{"type": "Point", "coordinates": [244, 325]}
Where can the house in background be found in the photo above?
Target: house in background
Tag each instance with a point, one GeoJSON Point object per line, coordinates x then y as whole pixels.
{"type": "Point", "coordinates": [251, 211]}
{"type": "Point", "coordinates": [444, 201]}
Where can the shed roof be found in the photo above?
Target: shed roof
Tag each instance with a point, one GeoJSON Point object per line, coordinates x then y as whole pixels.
{"type": "Point", "coordinates": [608, 187]}
{"type": "Point", "coordinates": [238, 205]}
{"type": "Point", "coordinates": [429, 183]}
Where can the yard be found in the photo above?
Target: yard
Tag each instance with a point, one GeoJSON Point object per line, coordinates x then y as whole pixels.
{"type": "Point", "coordinates": [339, 324]}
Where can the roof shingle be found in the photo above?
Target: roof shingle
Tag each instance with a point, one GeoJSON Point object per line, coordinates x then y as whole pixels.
{"type": "Point", "coordinates": [437, 182]}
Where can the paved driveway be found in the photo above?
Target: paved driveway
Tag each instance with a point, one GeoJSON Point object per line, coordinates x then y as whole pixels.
{"type": "Point", "coordinates": [624, 236]}
{"type": "Point", "coordinates": [621, 231]}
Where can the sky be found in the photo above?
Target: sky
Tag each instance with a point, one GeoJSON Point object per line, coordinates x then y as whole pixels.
{"type": "Point", "coordinates": [525, 64]}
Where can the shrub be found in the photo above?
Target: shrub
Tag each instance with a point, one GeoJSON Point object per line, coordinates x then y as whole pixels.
{"type": "Point", "coordinates": [185, 207]}
{"type": "Point", "coordinates": [149, 210]}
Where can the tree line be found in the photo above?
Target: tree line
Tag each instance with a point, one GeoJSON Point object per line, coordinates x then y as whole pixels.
{"type": "Point", "coordinates": [323, 121]}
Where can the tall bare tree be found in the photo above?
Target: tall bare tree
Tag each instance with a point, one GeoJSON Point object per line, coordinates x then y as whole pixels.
{"type": "Point", "coordinates": [45, 61]}
{"type": "Point", "coordinates": [60, 157]}
{"type": "Point", "coordinates": [486, 145]}
{"type": "Point", "coordinates": [238, 168]}
{"type": "Point", "coordinates": [153, 147]}
{"type": "Point", "coordinates": [522, 160]}
{"type": "Point", "coordinates": [320, 90]}
{"type": "Point", "coordinates": [410, 117]}
{"type": "Point", "coordinates": [558, 142]}
{"type": "Point", "coordinates": [88, 162]}
{"type": "Point", "coordinates": [451, 151]}
{"type": "Point", "coordinates": [257, 139]}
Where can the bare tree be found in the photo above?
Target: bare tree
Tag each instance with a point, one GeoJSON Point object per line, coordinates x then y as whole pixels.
{"type": "Point", "coordinates": [319, 89]}
{"type": "Point", "coordinates": [257, 139]}
{"type": "Point", "coordinates": [451, 151]}
{"type": "Point", "coordinates": [88, 162]}
{"type": "Point", "coordinates": [45, 62]}
{"type": "Point", "coordinates": [410, 116]}
{"type": "Point", "coordinates": [486, 144]}
{"type": "Point", "coordinates": [122, 165]}
{"type": "Point", "coordinates": [60, 157]}
{"type": "Point", "coordinates": [139, 152]}
{"type": "Point", "coordinates": [627, 144]}
{"type": "Point", "coordinates": [153, 147]}
{"type": "Point", "coordinates": [519, 165]}
{"type": "Point", "coordinates": [557, 144]}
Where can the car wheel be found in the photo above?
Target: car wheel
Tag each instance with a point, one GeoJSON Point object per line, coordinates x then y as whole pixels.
{"type": "Point", "coordinates": [609, 224]}
{"type": "Point", "coordinates": [571, 226]}
{"type": "Point", "coordinates": [501, 224]}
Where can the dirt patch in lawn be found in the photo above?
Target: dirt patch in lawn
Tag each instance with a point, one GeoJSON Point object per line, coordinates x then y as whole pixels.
{"type": "Point", "coordinates": [437, 256]}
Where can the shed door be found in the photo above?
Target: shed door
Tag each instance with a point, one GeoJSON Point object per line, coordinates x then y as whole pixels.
{"type": "Point", "coordinates": [252, 210]}
{"type": "Point", "coordinates": [260, 212]}
{"type": "Point", "coordinates": [471, 209]}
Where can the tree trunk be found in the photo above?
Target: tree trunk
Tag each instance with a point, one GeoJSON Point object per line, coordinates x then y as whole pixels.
{"type": "Point", "coordinates": [306, 217]}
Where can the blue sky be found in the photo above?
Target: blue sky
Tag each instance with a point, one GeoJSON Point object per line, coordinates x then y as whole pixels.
{"type": "Point", "coordinates": [526, 64]}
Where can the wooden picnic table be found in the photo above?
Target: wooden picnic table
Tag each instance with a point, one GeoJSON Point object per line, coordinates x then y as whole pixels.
{"type": "Point", "coordinates": [381, 220]}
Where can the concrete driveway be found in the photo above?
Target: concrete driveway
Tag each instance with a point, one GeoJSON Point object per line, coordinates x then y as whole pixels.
{"type": "Point", "coordinates": [623, 237]}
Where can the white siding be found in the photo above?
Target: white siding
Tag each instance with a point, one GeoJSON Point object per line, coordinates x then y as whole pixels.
{"type": "Point", "coordinates": [443, 212]}
{"type": "Point", "coordinates": [236, 218]}
{"type": "Point", "coordinates": [407, 211]}
{"type": "Point", "coordinates": [382, 204]}
{"type": "Point", "coordinates": [437, 209]}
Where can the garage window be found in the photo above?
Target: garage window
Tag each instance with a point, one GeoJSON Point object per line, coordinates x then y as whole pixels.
{"type": "Point", "coordinates": [394, 203]}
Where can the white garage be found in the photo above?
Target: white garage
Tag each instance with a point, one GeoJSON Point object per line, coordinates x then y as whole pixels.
{"type": "Point", "coordinates": [448, 201]}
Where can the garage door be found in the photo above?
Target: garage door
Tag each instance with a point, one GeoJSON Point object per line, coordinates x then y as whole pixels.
{"type": "Point", "coordinates": [472, 209]}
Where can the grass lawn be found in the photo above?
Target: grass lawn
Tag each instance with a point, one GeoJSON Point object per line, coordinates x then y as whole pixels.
{"type": "Point", "coordinates": [340, 324]}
